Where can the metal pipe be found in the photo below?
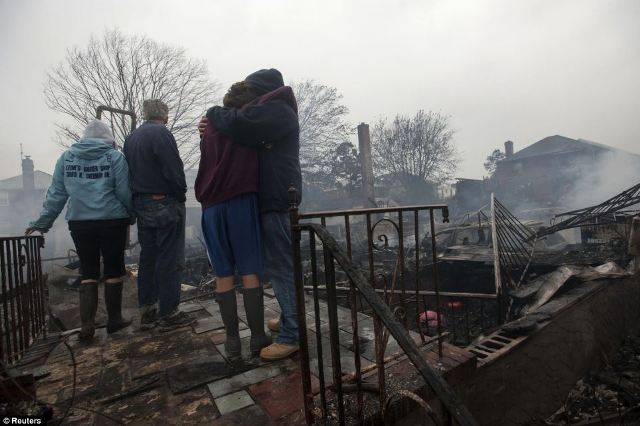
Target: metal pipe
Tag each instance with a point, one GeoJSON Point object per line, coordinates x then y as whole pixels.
{"type": "Point", "coordinates": [420, 292]}
{"type": "Point", "coordinates": [131, 114]}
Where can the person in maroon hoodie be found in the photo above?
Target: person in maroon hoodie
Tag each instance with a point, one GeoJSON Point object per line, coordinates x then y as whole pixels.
{"type": "Point", "coordinates": [227, 188]}
{"type": "Point", "coordinates": [269, 125]}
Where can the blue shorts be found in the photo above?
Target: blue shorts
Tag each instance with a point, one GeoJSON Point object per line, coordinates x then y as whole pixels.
{"type": "Point", "coordinates": [231, 231]}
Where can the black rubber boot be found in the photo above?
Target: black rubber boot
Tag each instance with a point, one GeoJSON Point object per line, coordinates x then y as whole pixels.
{"type": "Point", "coordinates": [88, 306]}
{"type": "Point", "coordinates": [254, 307]}
{"type": "Point", "coordinates": [229, 313]}
{"type": "Point", "coordinates": [113, 300]}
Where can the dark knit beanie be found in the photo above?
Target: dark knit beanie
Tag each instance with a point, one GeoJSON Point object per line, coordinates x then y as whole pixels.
{"type": "Point", "coordinates": [265, 81]}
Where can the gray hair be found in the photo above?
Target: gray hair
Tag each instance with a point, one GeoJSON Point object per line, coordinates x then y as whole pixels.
{"type": "Point", "coordinates": [155, 109]}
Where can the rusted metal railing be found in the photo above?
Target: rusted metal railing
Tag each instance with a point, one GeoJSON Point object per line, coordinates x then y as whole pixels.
{"type": "Point", "coordinates": [22, 298]}
{"type": "Point", "coordinates": [372, 289]}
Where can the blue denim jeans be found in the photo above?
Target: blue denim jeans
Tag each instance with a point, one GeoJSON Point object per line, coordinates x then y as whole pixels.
{"type": "Point", "coordinates": [276, 243]}
{"type": "Point", "coordinates": [161, 228]}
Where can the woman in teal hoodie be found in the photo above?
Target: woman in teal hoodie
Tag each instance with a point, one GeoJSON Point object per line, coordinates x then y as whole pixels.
{"type": "Point", "coordinates": [94, 178]}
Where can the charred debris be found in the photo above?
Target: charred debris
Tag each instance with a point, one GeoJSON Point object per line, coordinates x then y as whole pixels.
{"type": "Point", "coordinates": [536, 254]}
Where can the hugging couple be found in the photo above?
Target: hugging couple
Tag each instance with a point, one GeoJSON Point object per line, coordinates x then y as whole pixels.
{"type": "Point", "coordinates": [249, 159]}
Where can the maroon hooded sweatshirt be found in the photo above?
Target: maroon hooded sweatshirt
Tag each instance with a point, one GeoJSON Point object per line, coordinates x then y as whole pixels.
{"type": "Point", "coordinates": [226, 170]}
{"type": "Point", "coordinates": [229, 169]}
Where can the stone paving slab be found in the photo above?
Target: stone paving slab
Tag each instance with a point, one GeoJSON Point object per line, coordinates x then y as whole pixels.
{"type": "Point", "coordinates": [211, 306]}
{"type": "Point", "coordinates": [233, 402]}
{"type": "Point", "coordinates": [365, 328]}
{"type": "Point", "coordinates": [190, 307]}
{"type": "Point", "coordinates": [252, 415]}
{"type": "Point", "coordinates": [272, 304]}
{"type": "Point", "coordinates": [228, 385]}
{"type": "Point", "coordinates": [208, 324]}
{"type": "Point", "coordinates": [295, 418]}
{"type": "Point", "coordinates": [268, 393]}
{"type": "Point", "coordinates": [347, 359]}
{"type": "Point", "coordinates": [281, 395]}
{"type": "Point", "coordinates": [270, 313]}
{"type": "Point", "coordinates": [151, 353]}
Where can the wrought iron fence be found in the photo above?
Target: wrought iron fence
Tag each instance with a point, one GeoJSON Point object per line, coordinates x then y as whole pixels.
{"type": "Point", "coordinates": [22, 305]}
{"type": "Point", "coordinates": [322, 264]}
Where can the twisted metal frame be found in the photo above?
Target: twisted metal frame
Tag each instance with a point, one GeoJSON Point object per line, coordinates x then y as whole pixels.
{"type": "Point", "coordinates": [598, 214]}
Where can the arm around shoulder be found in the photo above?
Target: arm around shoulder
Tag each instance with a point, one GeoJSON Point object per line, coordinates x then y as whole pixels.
{"type": "Point", "coordinates": [255, 125]}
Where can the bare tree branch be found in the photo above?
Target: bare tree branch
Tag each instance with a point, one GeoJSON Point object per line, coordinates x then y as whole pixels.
{"type": "Point", "coordinates": [419, 146]}
{"type": "Point", "coordinates": [322, 124]}
{"type": "Point", "coordinates": [122, 71]}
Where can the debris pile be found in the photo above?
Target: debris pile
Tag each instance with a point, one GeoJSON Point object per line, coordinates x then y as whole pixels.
{"type": "Point", "coordinates": [611, 395]}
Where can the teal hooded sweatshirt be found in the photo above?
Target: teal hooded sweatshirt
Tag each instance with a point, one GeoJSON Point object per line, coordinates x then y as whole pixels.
{"type": "Point", "coordinates": [94, 178]}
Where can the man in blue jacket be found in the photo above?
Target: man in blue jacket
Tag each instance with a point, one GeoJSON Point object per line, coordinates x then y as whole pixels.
{"type": "Point", "coordinates": [158, 185]}
{"type": "Point", "coordinates": [271, 126]}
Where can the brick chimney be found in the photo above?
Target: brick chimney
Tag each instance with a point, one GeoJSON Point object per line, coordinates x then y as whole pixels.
{"type": "Point", "coordinates": [28, 177]}
{"type": "Point", "coordinates": [366, 164]}
{"type": "Point", "coordinates": [508, 149]}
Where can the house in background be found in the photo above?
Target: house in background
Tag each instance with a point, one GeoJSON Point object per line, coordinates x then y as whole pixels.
{"type": "Point", "coordinates": [549, 172]}
{"type": "Point", "coordinates": [21, 199]}
{"type": "Point", "coordinates": [556, 173]}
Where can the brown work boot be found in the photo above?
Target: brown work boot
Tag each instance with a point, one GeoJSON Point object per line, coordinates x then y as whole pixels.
{"type": "Point", "coordinates": [273, 325]}
{"type": "Point", "coordinates": [278, 351]}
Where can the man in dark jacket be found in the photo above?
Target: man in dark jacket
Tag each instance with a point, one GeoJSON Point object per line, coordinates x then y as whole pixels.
{"type": "Point", "coordinates": [158, 186]}
{"type": "Point", "coordinates": [270, 125]}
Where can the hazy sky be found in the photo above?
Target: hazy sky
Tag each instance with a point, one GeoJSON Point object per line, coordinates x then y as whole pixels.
{"type": "Point", "coordinates": [518, 70]}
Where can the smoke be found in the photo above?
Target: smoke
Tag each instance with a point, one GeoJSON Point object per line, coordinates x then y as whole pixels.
{"type": "Point", "coordinates": [601, 178]}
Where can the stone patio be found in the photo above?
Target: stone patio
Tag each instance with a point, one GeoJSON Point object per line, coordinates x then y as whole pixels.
{"type": "Point", "coordinates": [183, 377]}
